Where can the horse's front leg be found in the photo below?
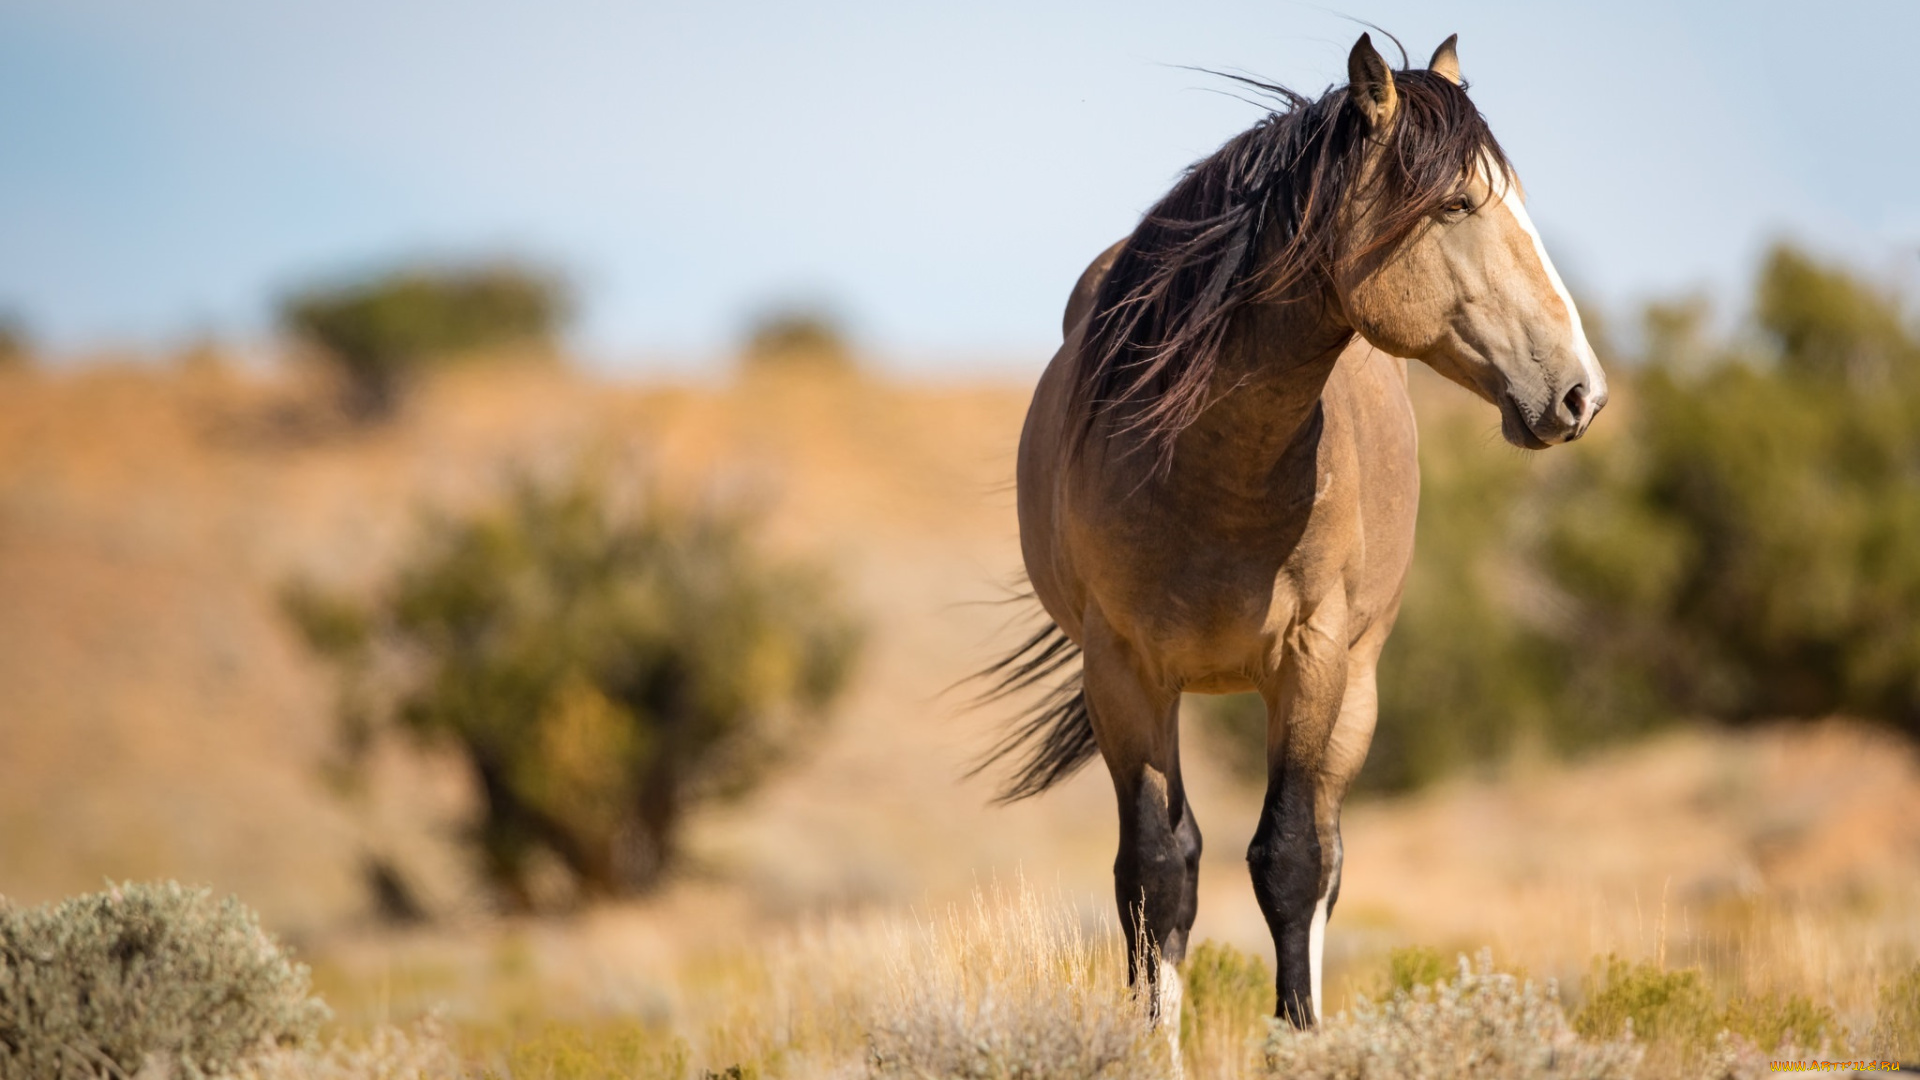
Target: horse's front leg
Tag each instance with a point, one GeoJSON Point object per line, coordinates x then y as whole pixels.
{"type": "Point", "coordinates": [1294, 856]}
{"type": "Point", "coordinates": [1157, 871]}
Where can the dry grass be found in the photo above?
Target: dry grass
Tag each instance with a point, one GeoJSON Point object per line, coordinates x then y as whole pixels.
{"type": "Point", "coordinates": [1018, 984]}
{"type": "Point", "coordinates": [1012, 985]}
{"type": "Point", "coordinates": [422, 1053]}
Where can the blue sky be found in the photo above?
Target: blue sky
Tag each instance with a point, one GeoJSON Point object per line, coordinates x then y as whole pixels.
{"type": "Point", "coordinates": [940, 173]}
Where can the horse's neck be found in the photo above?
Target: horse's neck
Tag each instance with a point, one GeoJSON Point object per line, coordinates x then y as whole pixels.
{"type": "Point", "coordinates": [1266, 394]}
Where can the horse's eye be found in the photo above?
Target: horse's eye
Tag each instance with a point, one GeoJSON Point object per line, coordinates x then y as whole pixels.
{"type": "Point", "coordinates": [1459, 204]}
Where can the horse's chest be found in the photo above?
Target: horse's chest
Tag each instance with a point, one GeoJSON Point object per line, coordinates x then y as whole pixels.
{"type": "Point", "coordinates": [1224, 577]}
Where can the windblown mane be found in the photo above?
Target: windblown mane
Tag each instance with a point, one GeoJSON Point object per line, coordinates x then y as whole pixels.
{"type": "Point", "coordinates": [1162, 313]}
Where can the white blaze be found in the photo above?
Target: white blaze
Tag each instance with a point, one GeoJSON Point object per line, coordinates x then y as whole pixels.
{"type": "Point", "coordinates": [1510, 198]}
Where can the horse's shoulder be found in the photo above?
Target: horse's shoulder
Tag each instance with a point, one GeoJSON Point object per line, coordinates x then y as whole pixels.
{"type": "Point", "coordinates": [1371, 387]}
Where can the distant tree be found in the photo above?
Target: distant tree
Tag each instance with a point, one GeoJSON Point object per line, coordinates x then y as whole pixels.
{"type": "Point", "coordinates": [1753, 550]}
{"type": "Point", "coordinates": [1827, 323]}
{"type": "Point", "coordinates": [380, 333]}
{"type": "Point", "coordinates": [797, 337]}
{"type": "Point", "coordinates": [16, 348]}
{"type": "Point", "coordinates": [602, 670]}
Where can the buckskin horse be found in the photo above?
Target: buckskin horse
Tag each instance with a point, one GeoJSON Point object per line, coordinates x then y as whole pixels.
{"type": "Point", "coordinates": [1217, 477]}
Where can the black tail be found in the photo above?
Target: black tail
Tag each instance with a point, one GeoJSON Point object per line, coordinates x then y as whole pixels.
{"type": "Point", "coordinates": [1054, 737]}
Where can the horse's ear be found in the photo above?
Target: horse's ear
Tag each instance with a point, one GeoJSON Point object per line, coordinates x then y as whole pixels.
{"type": "Point", "coordinates": [1370, 83]}
{"type": "Point", "coordinates": [1446, 62]}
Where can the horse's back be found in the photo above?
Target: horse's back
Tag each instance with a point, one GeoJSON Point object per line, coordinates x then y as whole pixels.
{"type": "Point", "coordinates": [1043, 439]}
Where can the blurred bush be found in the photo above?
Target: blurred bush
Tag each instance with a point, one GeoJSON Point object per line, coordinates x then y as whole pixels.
{"type": "Point", "coordinates": [381, 333]}
{"type": "Point", "coordinates": [1226, 1007]}
{"type": "Point", "coordinates": [16, 346]}
{"type": "Point", "coordinates": [145, 980]}
{"type": "Point", "coordinates": [1679, 1009]}
{"type": "Point", "coordinates": [1896, 1025]}
{"type": "Point", "coordinates": [1746, 546]}
{"type": "Point", "coordinates": [797, 337]}
{"type": "Point", "coordinates": [601, 668]}
{"type": "Point", "coordinates": [1753, 549]}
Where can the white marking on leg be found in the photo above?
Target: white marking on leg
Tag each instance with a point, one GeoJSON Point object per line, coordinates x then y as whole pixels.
{"type": "Point", "coordinates": [1167, 994]}
{"type": "Point", "coordinates": [1510, 198]}
{"type": "Point", "coordinates": [1316, 950]}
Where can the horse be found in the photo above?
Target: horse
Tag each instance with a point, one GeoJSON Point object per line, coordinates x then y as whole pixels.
{"type": "Point", "coordinates": [1217, 477]}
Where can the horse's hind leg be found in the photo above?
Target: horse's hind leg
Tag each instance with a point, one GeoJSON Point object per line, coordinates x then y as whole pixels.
{"type": "Point", "coordinates": [1156, 873]}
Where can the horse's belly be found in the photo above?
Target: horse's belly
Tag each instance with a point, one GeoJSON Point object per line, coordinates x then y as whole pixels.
{"type": "Point", "coordinates": [1222, 683]}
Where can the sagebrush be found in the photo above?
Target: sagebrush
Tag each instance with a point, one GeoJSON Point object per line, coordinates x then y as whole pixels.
{"type": "Point", "coordinates": [154, 976]}
{"type": "Point", "coordinates": [1481, 1024]}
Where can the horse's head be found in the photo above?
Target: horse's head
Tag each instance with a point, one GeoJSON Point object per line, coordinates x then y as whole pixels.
{"type": "Point", "coordinates": [1388, 197]}
{"type": "Point", "coordinates": [1468, 287]}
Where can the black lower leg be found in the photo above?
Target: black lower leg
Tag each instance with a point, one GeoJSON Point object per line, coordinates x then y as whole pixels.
{"type": "Point", "coordinates": [1285, 860]}
{"type": "Point", "coordinates": [1156, 877]}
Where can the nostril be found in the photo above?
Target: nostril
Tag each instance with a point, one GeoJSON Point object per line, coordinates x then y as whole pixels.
{"type": "Point", "coordinates": [1576, 402]}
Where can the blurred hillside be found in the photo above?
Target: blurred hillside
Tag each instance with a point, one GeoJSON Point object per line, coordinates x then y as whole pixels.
{"type": "Point", "coordinates": [160, 717]}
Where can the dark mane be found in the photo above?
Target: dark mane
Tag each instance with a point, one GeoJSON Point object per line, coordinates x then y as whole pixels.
{"type": "Point", "coordinates": [1162, 313]}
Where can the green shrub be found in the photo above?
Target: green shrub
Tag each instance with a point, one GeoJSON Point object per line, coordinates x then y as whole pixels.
{"type": "Point", "coordinates": [602, 669]}
{"type": "Point", "coordinates": [1414, 966]}
{"type": "Point", "coordinates": [1653, 1004]}
{"type": "Point", "coordinates": [1753, 551]}
{"type": "Point", "coordinates": [1896, 1025]}
{"type": "Point", "coordinates": [100, 984]}
{"type": "Point", "coordinates": [1677, 1012]}
{"type": "Point", "coordinates": [1229, 995]}
{"type": "Point", "coordinates": [380, 333]}
{"type": "Point", "coordinates": [1828, 325]}
{"type": "Point", "coordinates": [1407, 970]}
{"type": "Point", "coordinates": [1776, 1021]}
{"type": "Point", "coordinates": [1480, 1024]}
